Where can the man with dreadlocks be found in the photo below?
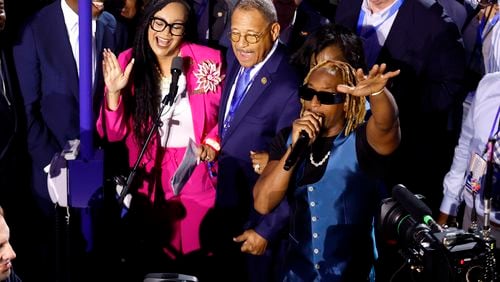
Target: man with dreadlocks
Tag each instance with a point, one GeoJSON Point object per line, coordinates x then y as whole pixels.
{"type": "Point", "coordinates": [333, 189]}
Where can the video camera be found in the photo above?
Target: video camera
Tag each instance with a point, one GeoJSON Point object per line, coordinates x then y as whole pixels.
{"type": "Point", "coordinates": [432, 252]}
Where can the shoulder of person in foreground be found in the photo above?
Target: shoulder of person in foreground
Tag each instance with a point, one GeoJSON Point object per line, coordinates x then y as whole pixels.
{"type": "Point", "coordinates": [200, 52]}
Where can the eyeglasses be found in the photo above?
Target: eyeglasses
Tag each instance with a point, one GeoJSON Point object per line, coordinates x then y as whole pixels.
{"type": "Point", "coordinates": [250, 38]}
{"type": "Point", "coordinates": [160, 25]}
{"type": "Point", "coordinates": [325, 98]}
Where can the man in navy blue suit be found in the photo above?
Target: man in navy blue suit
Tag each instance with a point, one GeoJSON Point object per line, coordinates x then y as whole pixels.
{"type": "Point", "coordinates": [251, 114]}
{"type": "Point", "coordinates": [46, 60]}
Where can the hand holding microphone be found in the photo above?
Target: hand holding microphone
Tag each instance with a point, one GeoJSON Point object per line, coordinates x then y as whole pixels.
{"type": "Point", "coordinates": [304, 132]}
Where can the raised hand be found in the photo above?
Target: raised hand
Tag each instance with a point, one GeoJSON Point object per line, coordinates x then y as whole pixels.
{"type": "Point", "coordinates": [114, 77]}
{"type": "Point", "coordinates": [369, 84]}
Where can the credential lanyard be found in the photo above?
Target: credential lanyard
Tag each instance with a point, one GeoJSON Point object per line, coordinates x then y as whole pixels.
{"type": "Point", "coordinates": [482, 34]}
{"type": "Point", "coordinates": [493, 132]}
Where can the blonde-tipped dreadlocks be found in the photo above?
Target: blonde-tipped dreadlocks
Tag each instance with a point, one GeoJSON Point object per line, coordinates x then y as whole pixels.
{"type": "Point", "coordinates": [355, 106]}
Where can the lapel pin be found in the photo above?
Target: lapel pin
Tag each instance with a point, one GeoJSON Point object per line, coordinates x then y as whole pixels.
{"type": "Point", "coordinates": [263, 80]}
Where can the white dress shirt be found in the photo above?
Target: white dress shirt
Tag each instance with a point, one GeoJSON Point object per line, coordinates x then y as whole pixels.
{"type": "Point", "coordinates": [382, 22]}
{"type": "Point", "coordinates": [71, 21]}
{"type": "Point", "coordinates": [253, 72]}
{"type": "Point", "coordinates": [476, 129]}
{"type": "Point", "coordinates": [177, 120]}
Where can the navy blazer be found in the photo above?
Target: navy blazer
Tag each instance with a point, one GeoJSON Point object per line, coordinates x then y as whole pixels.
{"type": "Point", "coordinates": [426, 46]}
{"type": "Point", "coordinates": [49, 85]}
{"type": "Point", "coordinates": [271, 103]}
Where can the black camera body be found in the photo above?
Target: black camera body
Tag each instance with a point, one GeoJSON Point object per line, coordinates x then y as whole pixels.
{"type": "Point", "coordinates": [444, 254]}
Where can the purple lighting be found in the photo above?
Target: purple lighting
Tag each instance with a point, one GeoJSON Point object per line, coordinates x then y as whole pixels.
{"type": "Point", "coordinates": [85, 86]}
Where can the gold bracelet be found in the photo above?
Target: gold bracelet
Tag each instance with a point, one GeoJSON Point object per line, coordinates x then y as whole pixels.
{"type": "Point", "coordinates": [378, 92]}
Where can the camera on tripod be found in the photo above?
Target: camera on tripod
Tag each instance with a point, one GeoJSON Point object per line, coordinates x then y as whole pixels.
{"type": "Point", "coordinates": [434, 253]}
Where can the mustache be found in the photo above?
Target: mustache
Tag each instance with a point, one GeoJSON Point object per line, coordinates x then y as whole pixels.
{"type": "Point", "coordinates": [243, 50]}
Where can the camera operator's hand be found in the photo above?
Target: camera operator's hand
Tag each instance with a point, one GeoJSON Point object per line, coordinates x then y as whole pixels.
{"type": "Point", "coordinates": [446, 219]}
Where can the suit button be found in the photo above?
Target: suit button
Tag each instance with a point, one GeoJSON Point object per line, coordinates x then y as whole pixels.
{"type": "Point", "coordinates": [316, 266]}
{"type": "Point", "coordinates": [314, 219]}
{"type": "Point", "coordinates": [310, 188]}
{"type": "Point", "coordinates": [313, 204]}
{"type": "Point", "coordinates": [315, 235]}
{"type": "Point", "coordinates": [316, 251]}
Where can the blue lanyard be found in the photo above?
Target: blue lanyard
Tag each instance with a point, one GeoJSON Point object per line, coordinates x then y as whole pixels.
{"type": "Point", "coordinates": [481, 34]}
{"type": "Point", "coordinates": [492, 132]}
{"type": "Point", "coordinates": [395, 7]}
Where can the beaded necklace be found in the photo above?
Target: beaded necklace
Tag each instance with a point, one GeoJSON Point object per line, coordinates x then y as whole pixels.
{"type": "Point", "coordinates": [320, 163]}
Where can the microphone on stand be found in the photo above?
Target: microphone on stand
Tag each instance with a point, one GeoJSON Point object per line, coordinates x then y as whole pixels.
{"type": "Point", "coordinates": [175, 71]}
{"type": "Point", "coordinates": [298, 149]}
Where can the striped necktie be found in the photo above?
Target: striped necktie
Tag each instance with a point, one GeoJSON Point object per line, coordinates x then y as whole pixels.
{"type": "Point", "coordinates": [238, 95]}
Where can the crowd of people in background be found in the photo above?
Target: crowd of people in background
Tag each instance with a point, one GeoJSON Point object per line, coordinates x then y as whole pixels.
{"type": "Point", "coordinates": [299, 117]}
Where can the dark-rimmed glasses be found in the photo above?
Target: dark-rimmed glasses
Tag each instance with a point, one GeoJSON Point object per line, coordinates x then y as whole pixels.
{"type": "Point", "coordinates": [325, 98]}
{"type": "Point", "coordinates": [159, 25]}
{"type": "Point", "coordinates": [250, 38]}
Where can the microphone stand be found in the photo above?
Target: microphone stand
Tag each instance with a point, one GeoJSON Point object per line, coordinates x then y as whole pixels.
{"type": "Point", "coordinates": [488, 182]}
{"type": "Point", "coordinates": [473, 216]}
{"type": "Point", "coordinates": [168, 99]}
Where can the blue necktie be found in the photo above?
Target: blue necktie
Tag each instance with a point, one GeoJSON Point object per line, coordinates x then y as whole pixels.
{"type": "Point", "coordinates": [238, 95]}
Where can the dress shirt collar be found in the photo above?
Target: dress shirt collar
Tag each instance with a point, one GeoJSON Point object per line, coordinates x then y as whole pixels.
{"type": "Point", "coordinates": [382, 13]}
{"type": "Point", "coordinates": [256, 68]}
{"type": "Point", "coordinates": [71, 19]}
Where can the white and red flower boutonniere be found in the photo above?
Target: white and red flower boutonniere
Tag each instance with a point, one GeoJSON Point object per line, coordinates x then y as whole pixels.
{"type": "Point", "coordinates": [209, 76]}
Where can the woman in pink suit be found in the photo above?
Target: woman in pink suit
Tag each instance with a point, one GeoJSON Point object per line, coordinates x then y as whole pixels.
{"type": "Point", "coordinates": [136, 82]}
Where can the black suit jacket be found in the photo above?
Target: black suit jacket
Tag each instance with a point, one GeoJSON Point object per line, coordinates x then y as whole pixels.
{"type": "Point", "coordinates": [426, 46]}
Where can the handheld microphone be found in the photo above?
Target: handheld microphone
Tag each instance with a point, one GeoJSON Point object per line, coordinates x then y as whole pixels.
{"type": "Point", "coordinates": [417, 209]}
{"type": "Point", "coordinates": [298, 149]}
{"type": "Point", "coordinates": [175, 71]}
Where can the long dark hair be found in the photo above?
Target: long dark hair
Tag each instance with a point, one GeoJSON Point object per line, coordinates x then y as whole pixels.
{"type": "Point", "coordinates": [145, 103]}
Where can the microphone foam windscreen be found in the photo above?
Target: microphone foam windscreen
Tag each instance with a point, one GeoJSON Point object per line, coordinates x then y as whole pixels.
{"type": "Point", "coordinates": [177, 64]}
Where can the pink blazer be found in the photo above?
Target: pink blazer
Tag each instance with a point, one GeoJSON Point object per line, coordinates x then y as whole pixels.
{"type": "Point", "coordinates": [198, 195]}
{"type": "Point", "coordinates": [204, 105]}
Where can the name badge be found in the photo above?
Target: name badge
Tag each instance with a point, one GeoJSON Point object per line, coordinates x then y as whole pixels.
{"type": "Point", "coordinates": [476, 172]}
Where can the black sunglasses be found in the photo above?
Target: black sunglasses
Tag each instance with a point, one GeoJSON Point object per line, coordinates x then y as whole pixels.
{"type": "Point", "coordinates": [325, 98]}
